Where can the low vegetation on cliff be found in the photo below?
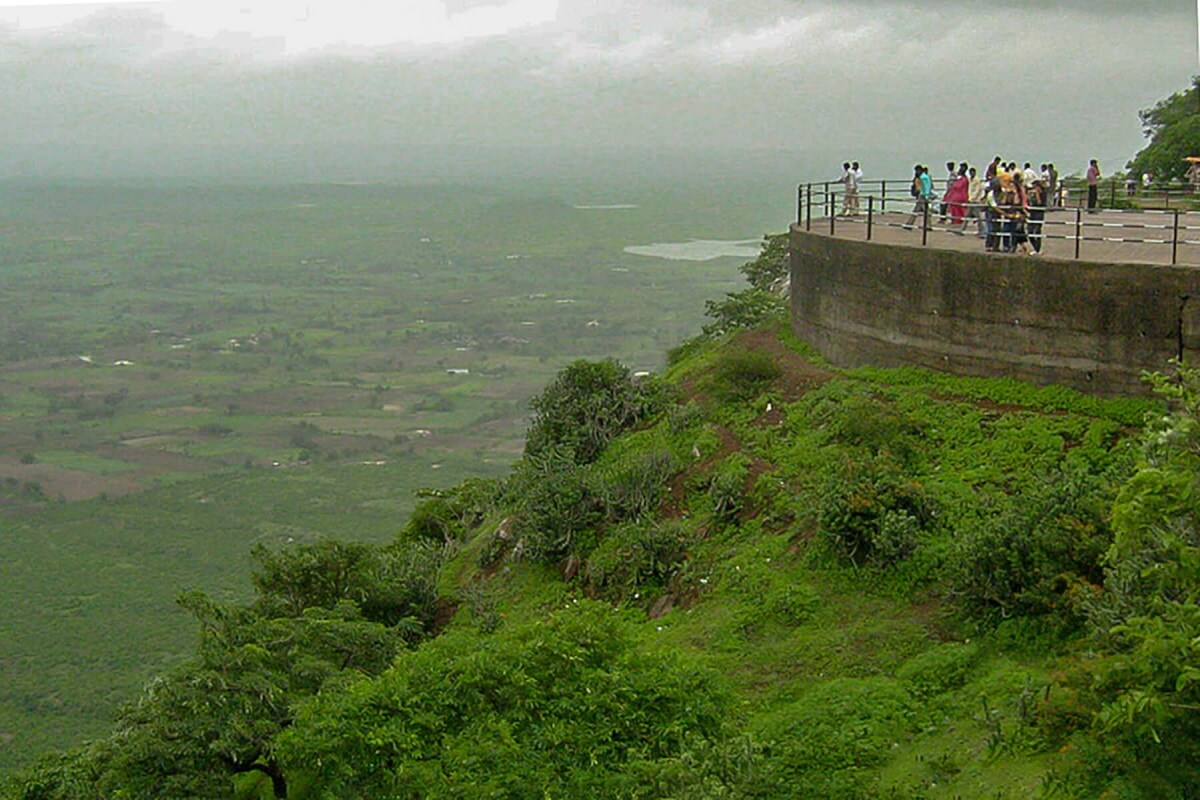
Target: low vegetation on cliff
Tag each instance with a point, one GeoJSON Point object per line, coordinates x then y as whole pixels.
{"type": "Point", "coordinates": [754, 576]}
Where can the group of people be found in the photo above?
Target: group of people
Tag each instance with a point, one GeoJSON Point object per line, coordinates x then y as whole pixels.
{"type": "Point", "coordinates": [1008, 204]}
{"type": "Point", "coordinates": [852, 176]}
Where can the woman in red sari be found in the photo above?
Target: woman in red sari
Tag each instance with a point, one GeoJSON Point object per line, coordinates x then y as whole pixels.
{"type": "Point", "coordinates": [956, 197]}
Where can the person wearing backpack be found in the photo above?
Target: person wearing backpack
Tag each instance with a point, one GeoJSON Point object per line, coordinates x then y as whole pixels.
{"type": "Point", "coordinates": [922, 190]}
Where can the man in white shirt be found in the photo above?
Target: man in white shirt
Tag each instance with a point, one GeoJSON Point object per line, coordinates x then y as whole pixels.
{"type": "Point", "coordinates": [975, 204]}
{"type": "Point", "coordinates": [858, 179]}
{"type": "Point", "coordinates": [1029, 175]}
{"type": "Point", "coordinates": [850, 195]}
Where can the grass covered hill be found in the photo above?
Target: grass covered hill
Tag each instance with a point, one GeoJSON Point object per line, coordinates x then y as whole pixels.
{"type": "Point", "coordinates": [755, 576]}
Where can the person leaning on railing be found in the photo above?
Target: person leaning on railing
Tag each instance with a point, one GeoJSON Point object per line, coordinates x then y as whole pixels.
{"type": "Point", "coordinates": [1017, 212]}
{"type": "Point", "coordinates": [995, 219]}
{"type": "Point", "coordinates": [1037, 214]}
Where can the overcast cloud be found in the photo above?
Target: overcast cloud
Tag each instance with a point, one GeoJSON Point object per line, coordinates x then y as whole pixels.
{"type": "Point", "coordinates": [301, 90]}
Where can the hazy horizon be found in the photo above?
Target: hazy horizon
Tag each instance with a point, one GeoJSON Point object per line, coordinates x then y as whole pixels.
{"type": "Point", "coordinates": [567, 90]}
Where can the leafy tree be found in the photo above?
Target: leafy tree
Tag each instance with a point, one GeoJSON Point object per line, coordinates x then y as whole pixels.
{"type": "Point", "coordinates": [445, 515]}
{"type": "Point", "coordinates": [73, 775]}
{"type": "Point", "coordinates": [216, 716]}
{"type": "Point", "coordinates": [325, 611]}
{"type": "Point", "coordinates": [1149, 686]}
{"type": "Point", "coordinates": [388, 585]}
{"type": "Point", "coordinates": [567, 707]}
{"type": "Point", "coordinates": [1173, 128]}
{"type": "Point", "coordinates": [768, 276]}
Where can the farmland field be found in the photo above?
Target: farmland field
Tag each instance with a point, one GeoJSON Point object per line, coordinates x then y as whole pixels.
{"type": "Point", "coordinates": [188, 371]}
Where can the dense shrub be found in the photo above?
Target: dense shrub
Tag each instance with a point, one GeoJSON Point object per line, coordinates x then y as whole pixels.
{"type": "Point", "coordinates": [445, 515]}
{"type": "Point", "coordinates": [727, 488]}
{"type": "Point", "coordinates": [387, 585]}
{"type": "Point", "coordinates": [554, 510]}
{"type": "Point", "coordinates": [633, 487]}
{"type": "Point", "coordinates": [871, 513]}
{"type": "Point", "coordinates": [1148, 687]}
{"type": "Point", "coordinates": [71, 775]}
{"type": "Point", "coordinates": [568, 707]}
{"type": "Point", "coordinates": [1040, 555]}
{"type": "Point", "coordinates": [938, 669]}
{"type": "Point", "coordinates": [637, 558]}
{"type": "Point", "coordinates": [743, 374]}
{"type": "Point", "coordinates": [587, 405]}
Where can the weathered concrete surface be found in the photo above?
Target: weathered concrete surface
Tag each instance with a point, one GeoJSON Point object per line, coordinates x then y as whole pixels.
{"type": "Point", "coordinates": [1091, 326]}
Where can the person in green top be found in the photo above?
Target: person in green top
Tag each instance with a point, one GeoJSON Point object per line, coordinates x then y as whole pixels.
{"type": "Point", "coordinates": [922, 189]}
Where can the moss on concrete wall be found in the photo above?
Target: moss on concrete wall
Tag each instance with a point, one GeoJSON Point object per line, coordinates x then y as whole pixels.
{"type": "Point", "coordinates": [1090, 326]}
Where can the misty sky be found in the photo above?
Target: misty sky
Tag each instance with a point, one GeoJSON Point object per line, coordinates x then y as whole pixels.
{"type": "Point", "coordinates": [345, 88]}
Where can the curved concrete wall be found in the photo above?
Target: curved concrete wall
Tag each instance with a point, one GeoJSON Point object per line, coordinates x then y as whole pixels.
{"type": "Point", "coordinates": [1090, 326]}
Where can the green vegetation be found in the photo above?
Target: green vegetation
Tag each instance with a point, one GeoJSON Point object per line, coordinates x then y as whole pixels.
{"type": "Point", "coordinates": [288, 350]}
{"type": "Point", "coordinates": [799, 584]}
{"type": "Point", "coordinates": [751, 577]}
{"type": "Point", "coordinates": [1173, 128]}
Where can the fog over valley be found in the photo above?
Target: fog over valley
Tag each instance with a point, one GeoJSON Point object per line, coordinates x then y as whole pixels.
{"type": "Point", "coordinates": [304, 91]}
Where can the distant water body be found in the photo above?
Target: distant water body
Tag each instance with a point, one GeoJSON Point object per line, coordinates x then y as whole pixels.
{"type": "Point", "coordinates": [605, 207]}
{"type": "Point", "coordinates": [698, 249]}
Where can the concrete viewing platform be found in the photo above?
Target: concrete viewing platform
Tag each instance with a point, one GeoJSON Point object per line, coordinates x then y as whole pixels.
{"type": "Point", "coordinates": [1093, 323]}
{"type": "Point", "coordinates": [1105, 236]}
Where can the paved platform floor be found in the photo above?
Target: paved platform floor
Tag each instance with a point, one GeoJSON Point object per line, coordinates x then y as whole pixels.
{"type": "Point", "coordinates": [1059, 229]}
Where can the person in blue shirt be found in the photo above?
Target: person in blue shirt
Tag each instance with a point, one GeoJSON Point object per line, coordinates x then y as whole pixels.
{"type": "Point", "coordinates": [922, 189]}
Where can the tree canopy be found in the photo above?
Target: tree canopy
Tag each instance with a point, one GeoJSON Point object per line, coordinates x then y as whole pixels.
{"type": "Point", "coordinates": [1173, 128]}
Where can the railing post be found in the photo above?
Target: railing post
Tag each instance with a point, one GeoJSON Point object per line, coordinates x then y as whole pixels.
{"type": "Point", "coordinates": [1175, 239]}
{"type": "Point", "coordinates": [832, 217]}
{"type": "Point", "coordinates": [808, 225]}
{"type": "Point", "coordinates": [883, 192]}
{"type": "Point", "coordinates": [925, 225]}
{"type": "Point", "coordinates": [870, 214]}
{"type": "Point", "coordinates": [1079, 228]}
{"type": "Point", "coordinates": [799, 204]}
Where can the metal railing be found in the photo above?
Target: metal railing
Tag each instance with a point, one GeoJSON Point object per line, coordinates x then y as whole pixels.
{"type": "Point", "coordinates": [1175, 224]}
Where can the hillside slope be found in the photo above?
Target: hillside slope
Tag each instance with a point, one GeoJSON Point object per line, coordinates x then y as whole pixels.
{"type": "Point", "coordinates": [755, 577]}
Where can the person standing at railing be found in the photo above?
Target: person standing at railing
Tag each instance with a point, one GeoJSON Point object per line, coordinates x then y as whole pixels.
{"type": "Point", "coordinates": [951, 176]}
{"type": "Point", "coordinates": [975, 203]}
{"type": "Point", "coordinates": [1028, 175]}
{"type": "Point", "coordinates": [956, 198]}
{"type": "Point", "coordinates": [1018, 212]}
{"type": "Point", "coordinates": [1093, 182]}
{"type": "Point", "coordinates": [922, 189]}
{"type": "Point", "coordinates": [1006, 207]}
{"type": "Point", "coordinates": [850, 195]}
{"type": "Point", "coordinates": [1052, 185]}
{"type": "Point", "coordinates": [858, 182]}
{"type": "Point", "coordinates": [994, 217]}
{"type": "Point", "coordinates": [993, 169]}
{"type": "Point", "coordinates": [1193, 175]}
{"type": "Point", "coordinates": [1037, 214]}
